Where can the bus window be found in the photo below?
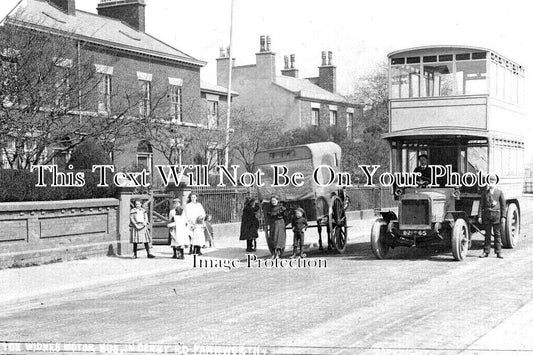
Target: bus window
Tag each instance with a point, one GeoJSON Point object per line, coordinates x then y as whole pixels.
{"type": "Point", "coordinates": [438, 79]}
{"type": "Point", "coordinates": [477, 159]}
{"type": "Point", "coordinates": [405, 81]}
{"type": "Point", "coordinates": [471, 77]}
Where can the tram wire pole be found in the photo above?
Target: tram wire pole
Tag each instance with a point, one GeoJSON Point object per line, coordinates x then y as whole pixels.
{"type": "Point", "coordinates": [230, 65]}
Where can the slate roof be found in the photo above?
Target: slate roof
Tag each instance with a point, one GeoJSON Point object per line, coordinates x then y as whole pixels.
{"type": "Point", "coordinates": [208, 87]}
{"type": "Point", "coordinates": [41, 15]}
{"type": "Point", "coordinates": [307, 90]}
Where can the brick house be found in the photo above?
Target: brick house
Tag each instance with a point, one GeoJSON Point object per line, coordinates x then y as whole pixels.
{"type": "Point", "coordinates": [126, 56]}
{"type": "Point", "coordinates": [300, 102]}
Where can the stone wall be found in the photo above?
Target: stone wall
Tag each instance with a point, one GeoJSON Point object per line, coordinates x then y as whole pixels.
{"type": "Point", "coordinates": [40, 232]}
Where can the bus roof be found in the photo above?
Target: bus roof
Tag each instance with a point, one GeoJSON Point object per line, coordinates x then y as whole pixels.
{"type": "Point", "coordinates": [430, 48]}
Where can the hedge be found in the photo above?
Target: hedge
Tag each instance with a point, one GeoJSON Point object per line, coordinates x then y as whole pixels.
{"type": "Point", "coordinates": [19, 185]}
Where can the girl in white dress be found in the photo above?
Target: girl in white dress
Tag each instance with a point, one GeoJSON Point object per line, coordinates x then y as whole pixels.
{"type": "Point", "coordinates": [195, 214]}
{"type": "Point", "coordinates": [179, 234]}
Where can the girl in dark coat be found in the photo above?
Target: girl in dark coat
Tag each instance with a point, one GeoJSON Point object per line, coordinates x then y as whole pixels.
{"type": "Point", "coordinates": [276, 220]}
{"type": "Point", "coordinates": [249, 223]}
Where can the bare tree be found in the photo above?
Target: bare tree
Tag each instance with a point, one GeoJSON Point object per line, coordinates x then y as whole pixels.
{"type": "Point", "coordinates": [372, 90]}
{"type": "Point", "coordinates": [252, 134]}
{"type": "Point", "coordinates": [49, 92]}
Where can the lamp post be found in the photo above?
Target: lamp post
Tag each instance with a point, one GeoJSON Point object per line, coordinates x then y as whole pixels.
{"type": "Point", "coordinates": [228, 116]}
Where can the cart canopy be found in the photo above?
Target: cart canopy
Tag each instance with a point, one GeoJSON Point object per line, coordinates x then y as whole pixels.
{"type": "Point", "coordinates": [304, 159]}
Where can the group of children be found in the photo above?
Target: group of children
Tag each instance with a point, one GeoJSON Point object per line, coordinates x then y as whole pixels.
{"type": "Point", "coordinates": [191, 227]}
{"type": "Point", "coordinates": [188, 227]}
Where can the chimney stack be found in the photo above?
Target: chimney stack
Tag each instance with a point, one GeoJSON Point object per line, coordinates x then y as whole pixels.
{"type": "Point", "coordinates": [131, 12]}
{"type": "Point", "coordinates": [265, 60]}
{"type": "Point", "coordinates": [223, 66]}
{"type": "Point", "coordinates": [290, 70]}
{"type": "Point", "coordinates": [327, 73]}
{"type": "Point", "coordinates": [68, 6]}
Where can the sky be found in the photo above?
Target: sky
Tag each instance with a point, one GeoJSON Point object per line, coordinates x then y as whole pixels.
{"type": "Point", "coordinates": [359, 33]}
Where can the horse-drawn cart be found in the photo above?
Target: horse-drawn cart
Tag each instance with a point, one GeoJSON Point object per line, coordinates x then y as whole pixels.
{"type": "Point", "coordinates": [324, 206]}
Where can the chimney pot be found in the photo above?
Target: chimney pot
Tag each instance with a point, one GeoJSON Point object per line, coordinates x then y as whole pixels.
{"type": "Point", "coordinates": [286, 59]}
{"type": "Point", "coordinates": [292, 61]}
{"type": "Point", "coordinates": [323, 57]}
{"type": "Point", "coordinates": [330, 57]}
{"type": "Point", "coordinates": [269, 42]}
{"type": "Point", "coordinates": [228, 52]}
{"type": "Point", "coordinates": [262, 44]}
{"type": "Point", "coordinates": [222, 54]}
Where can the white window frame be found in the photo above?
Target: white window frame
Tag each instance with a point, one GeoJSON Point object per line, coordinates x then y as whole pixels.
{"type": "Point", "coordinates": [333, 116]}
{"type": "Point", "coordinates": [212, 117]}
{"type": "Point", "coordinates": [176, 103]}
{"type": "Point", "coordinates": [315, 121]}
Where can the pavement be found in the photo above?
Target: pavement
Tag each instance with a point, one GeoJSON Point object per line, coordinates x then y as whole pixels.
{"type": "Point", "coordinates": [26, 283]}
{"type": "Point", "coordinates": [21, 288]}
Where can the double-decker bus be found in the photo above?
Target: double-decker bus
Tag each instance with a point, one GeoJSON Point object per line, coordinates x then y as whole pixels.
{"type": "Point", "coordinates": [462, 107]}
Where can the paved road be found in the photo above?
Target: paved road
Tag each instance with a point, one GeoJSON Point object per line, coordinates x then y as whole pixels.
{"type": "Point", "coordinates": [415, 301]}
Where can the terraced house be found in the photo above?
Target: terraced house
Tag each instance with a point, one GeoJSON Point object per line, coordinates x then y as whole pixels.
{"type": "Point", "coordinates": [161, 111]}
{"type": "Point", "coordinates": [299, 102]}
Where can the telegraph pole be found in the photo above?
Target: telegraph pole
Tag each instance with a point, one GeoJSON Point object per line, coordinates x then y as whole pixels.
{"type": "Point", "coordinates": [228, 115]}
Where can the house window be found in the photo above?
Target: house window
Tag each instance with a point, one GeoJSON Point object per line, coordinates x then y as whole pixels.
{"type": "Point", "coordinates": [315, 117]}
{"type": "Point", "coordinates": [212, 115]}
{"type": "Point", "coordinates": [145, 100]}
{"type": "Point", "coordinates": [349, 124]}
{"type": "Point", "coordinates": [175, 104]}
{"type": "Point", "coordinates": [104, 89]}
{"type": "Point", "coordinates": [143, 162]}
{"type": "Point", "coordinates": [332, 118]}
{"type": "Point", "coordinates": [62, 86]}
{"type": "Point", "coordinates": [144, 156]}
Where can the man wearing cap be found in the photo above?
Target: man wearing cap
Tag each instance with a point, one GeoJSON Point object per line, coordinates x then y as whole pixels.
{"type": "Point", "coordinates": [424, 170]}
{"type": "Point", "coordinates": [492, 214]}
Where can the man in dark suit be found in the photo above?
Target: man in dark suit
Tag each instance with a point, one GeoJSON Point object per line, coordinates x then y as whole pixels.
{"type": "Point", "coordinates": [425, 172]}
{"type": "Point", "coordinates": [491, 215]}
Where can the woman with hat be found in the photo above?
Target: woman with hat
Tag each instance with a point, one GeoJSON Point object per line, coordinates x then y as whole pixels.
{"type": "Point", "coordinates": [249, 223]}
{"type": "Point", "coordinates": [276, 220]}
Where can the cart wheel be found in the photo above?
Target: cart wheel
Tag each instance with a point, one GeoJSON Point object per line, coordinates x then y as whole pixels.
{"type": "Point", "coordinates": [511, 227]}
{"type": "Point", "coordinates": [460, 239]}
{"type": "Point", "coordinates": [337, 225]}
{"type": "Point", "coordinates": [379, 248]}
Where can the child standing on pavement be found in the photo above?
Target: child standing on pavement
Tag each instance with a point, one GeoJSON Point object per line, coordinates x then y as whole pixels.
{"type": "Point", "coordinates": [179, 234]}
{"type": "Point", "coordinates": [140, 232]}
{"type": "Point", "coordinates": [208, 231]}
{"type": "Point", "coordinates": [299, 226]}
